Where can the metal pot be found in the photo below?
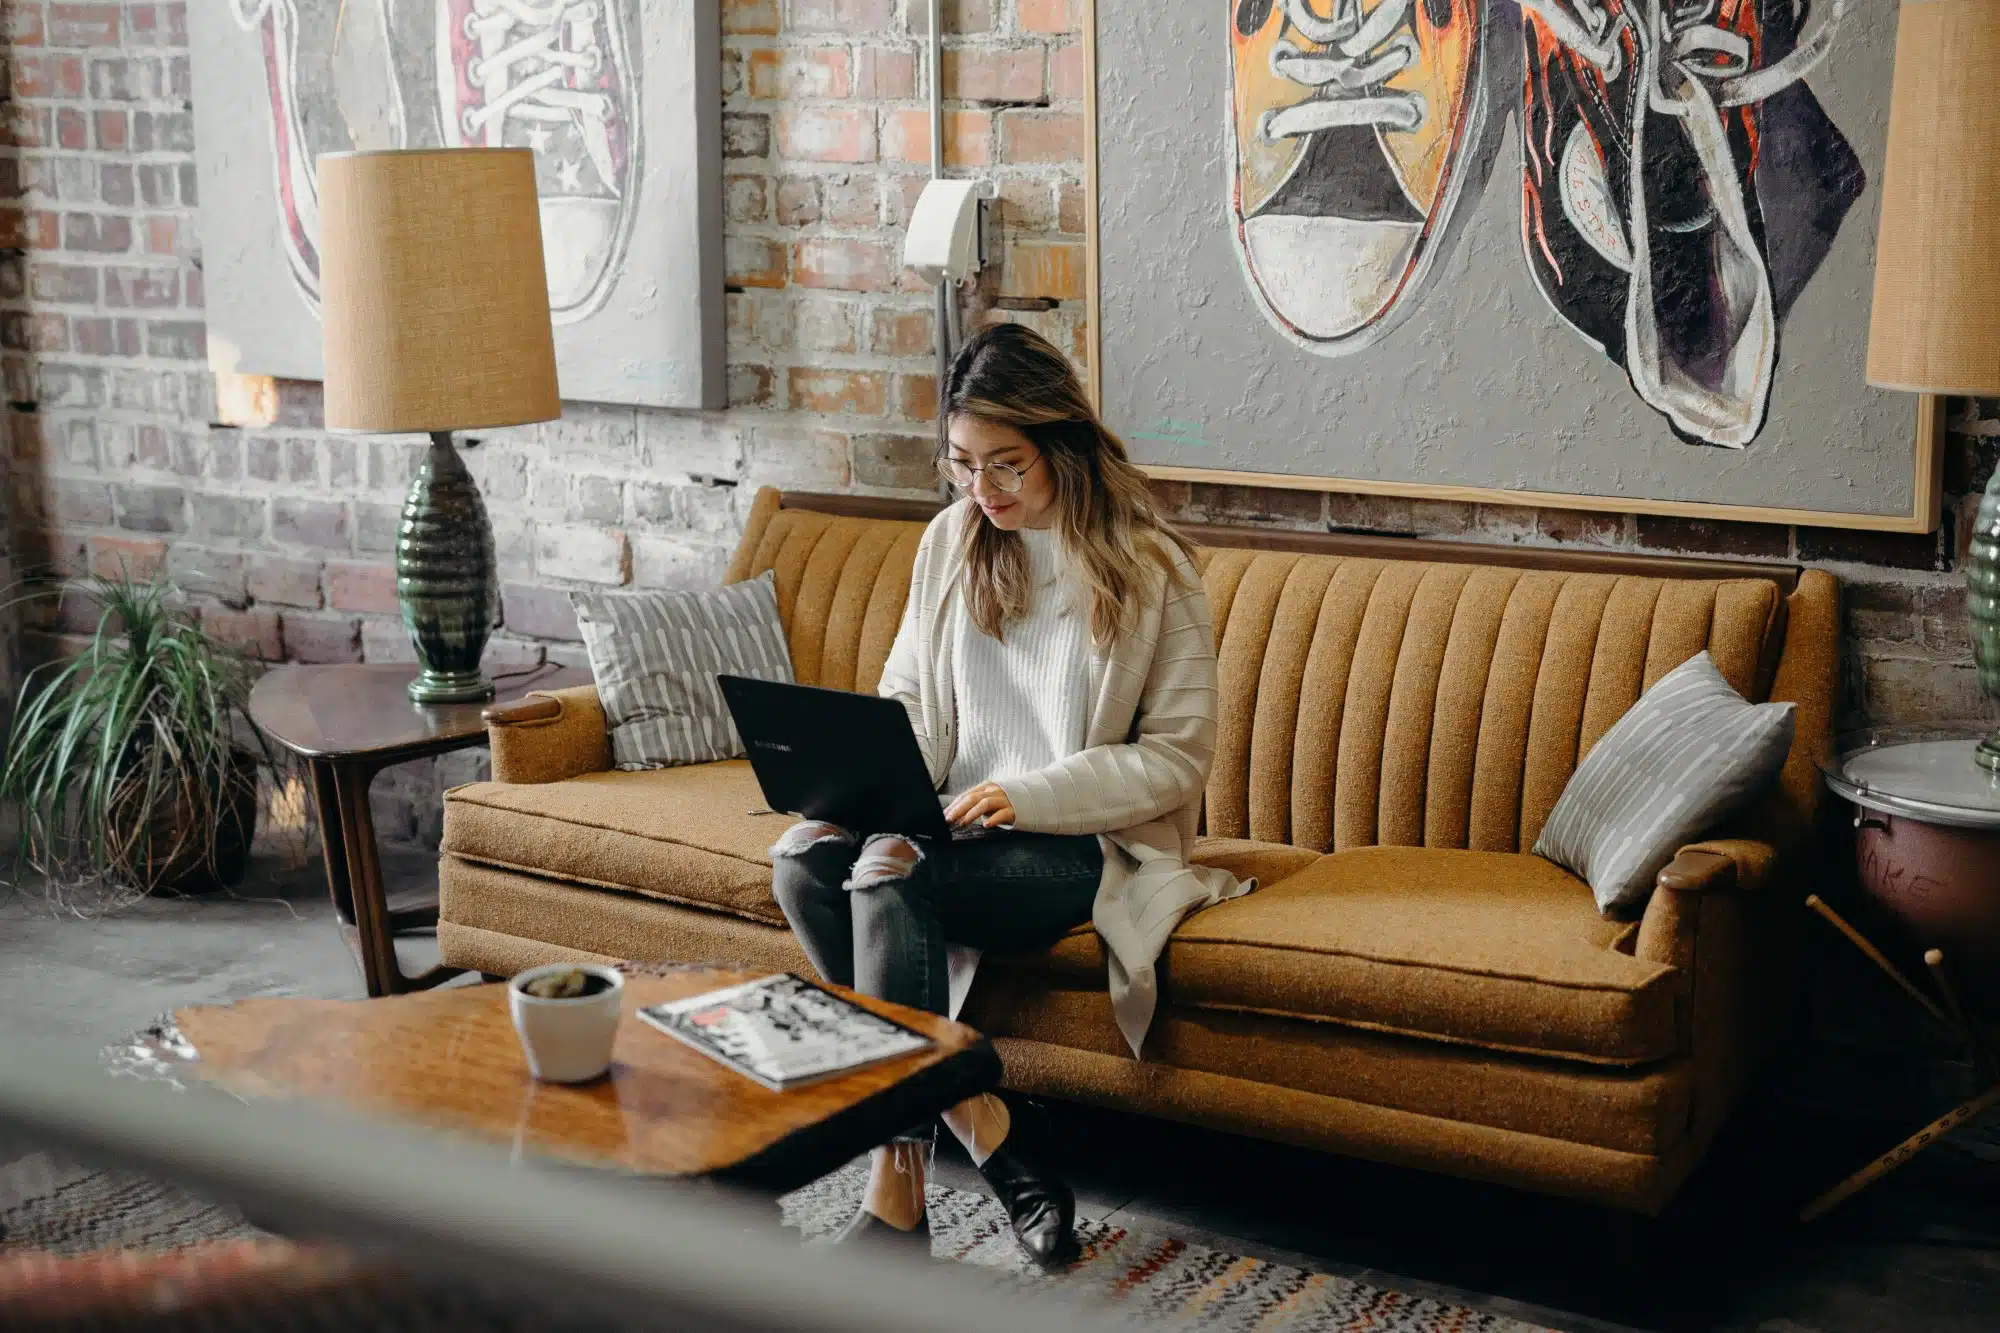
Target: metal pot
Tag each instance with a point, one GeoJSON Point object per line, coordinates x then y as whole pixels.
{"type": "Point", "coordinates": [1940, 885]}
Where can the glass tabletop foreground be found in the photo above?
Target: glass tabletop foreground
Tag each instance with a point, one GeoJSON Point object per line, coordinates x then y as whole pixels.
{"type": "Point", "coordinates": [1922, 772]}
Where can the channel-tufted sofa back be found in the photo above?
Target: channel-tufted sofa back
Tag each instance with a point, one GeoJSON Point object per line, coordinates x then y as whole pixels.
{"type": "Point", "coordinates": [841, 587]}
{"type": "Point", "coordinates": [1397, 703]}
{"type": "Point", "coordinates": [1375, 701]}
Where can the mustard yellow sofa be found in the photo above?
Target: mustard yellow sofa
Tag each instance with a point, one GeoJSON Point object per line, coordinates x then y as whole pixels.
{"type": "Point", "coordinates": [1408, 984]}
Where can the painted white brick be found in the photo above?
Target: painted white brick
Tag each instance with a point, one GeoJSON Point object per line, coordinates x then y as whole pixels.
{"type": "Point", "coordinates": [513, 545]}
{"type": "Point", "coordinates": [595, 431]}
{"type": "Point", "coordinates": [385, 640]}
{"type": "Point", "coordinates": [586, 555]}
{"type": "Point", "coordinates": [797, 457]}
{"type": "Point", "coordinates": [670, 562]}
{"type": "Point", "coordinates": [707, 444]}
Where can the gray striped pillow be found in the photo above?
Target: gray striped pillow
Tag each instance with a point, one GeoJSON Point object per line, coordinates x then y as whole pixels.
{"type": "Point", "coordinates": [1689, 752]}
{"type": "Point", "coordinates": [656, 655]}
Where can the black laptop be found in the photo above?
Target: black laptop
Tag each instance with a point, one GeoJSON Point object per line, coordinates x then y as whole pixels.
{"type": "Point", "coordinates": [849, 759]}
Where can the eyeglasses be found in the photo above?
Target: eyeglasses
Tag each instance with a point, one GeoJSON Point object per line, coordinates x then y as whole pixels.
{"type": "Point", "coordinates": [1002, 477]}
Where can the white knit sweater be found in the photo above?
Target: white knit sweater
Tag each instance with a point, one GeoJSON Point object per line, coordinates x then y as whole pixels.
{"type": "Point", "coordinates": [1023, 699]}
{"type": "Point", "coordinates": [1137, 782]}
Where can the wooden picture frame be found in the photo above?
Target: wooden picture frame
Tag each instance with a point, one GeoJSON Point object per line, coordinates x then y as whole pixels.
{"type": "Point", "coordinates": [1928, 434]}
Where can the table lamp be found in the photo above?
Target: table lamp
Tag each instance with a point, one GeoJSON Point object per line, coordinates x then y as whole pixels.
{"type": "Point", "coordinates": [435, 315]}
{"type": "Point", "coordinates": [1935, 325]}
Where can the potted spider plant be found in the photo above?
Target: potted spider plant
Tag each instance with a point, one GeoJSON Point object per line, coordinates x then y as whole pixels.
{"type": "Point", "coordinates": [135, 763]}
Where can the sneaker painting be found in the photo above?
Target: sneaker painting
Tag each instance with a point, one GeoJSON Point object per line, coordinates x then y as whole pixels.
{"type": "Point", "coordinates": [1652, 205]}
{"type": "Point", "coordinates": [557, 76]}
{"type": "Point", "coordinates": [1356, 127]}
{"type": "Point", "coordinates": [296, 45]}
{"type": "Point", "coordinates": [619, 101]}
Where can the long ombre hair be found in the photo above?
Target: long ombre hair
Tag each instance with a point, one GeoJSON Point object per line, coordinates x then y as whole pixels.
{"type": "Point", "coordinates": [1009, 375]}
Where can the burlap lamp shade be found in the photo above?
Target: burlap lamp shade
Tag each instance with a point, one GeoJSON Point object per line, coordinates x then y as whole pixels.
{"type": "Point", "coordinates": [434, 303]}
{"type": "Point", "coordinates": [435, 317]}
{"type": "Point", "coordinates": [1935, 326]}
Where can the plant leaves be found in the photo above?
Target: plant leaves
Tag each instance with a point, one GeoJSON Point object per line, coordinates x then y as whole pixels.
{"type": "Point", "coordinates": [125, 759]}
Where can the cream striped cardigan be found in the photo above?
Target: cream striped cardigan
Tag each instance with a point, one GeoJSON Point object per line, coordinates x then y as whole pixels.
{"type": "Point", "coordinates": [1137, 783]}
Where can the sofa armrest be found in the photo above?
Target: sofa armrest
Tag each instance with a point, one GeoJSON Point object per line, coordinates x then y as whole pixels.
{"type": "Point", "coordinates": [1731, 948]}
{"type": "Point", "coordinates": [1720, 863]}
{"type": "Point", "coordinates": [1694, 870]}
{"type": "Point", "coordinates": [548, 736]}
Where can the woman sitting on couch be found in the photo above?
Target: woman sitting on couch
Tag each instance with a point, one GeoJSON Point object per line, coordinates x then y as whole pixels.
{"type": "Point", "coordinates": [1057, 660]}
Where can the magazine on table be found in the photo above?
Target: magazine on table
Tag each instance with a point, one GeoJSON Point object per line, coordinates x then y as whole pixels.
{"type": "Point", "coordinates": [783, 1031]}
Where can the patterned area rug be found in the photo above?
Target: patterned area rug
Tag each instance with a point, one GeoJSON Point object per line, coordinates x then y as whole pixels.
{"type": "Point", "coordinates": [1148, 1280]}
{"type": "Point", "coordinates": [113, 1252]}
{"type": "Point", "coordinates": [57, 1207]}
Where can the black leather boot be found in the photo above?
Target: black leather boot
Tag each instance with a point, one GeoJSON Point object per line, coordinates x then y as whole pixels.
{"type": "Point", "coordinates": [1041, 1207]}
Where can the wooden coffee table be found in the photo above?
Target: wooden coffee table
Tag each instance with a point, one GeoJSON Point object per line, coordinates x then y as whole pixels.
{"type": "Point", "coordinates": [449, 1059]}
{"type": "Point", "coordinates": [348, 723]}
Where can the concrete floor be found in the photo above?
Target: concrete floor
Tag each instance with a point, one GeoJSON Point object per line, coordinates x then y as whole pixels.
{"type": "Point", "coordinates": [97, 979]}
{"type": "Point", "coordinates": [1921, 1252]}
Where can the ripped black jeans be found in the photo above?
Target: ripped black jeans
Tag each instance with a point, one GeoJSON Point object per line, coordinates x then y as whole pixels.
{"type": "Point", "coordinates": [874, 918]}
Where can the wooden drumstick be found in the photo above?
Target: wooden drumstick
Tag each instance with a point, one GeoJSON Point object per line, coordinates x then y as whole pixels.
{"type": "Point", "coordinates": [1880, 960]}
{"type": "Point", "coordinates": [1981, 1057]}
{"type": "Point", "coordinates": [1902, 1152]}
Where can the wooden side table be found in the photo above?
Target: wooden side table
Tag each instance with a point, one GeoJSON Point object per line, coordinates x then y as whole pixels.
{"type": "Point", "coordinates": [348, 723]}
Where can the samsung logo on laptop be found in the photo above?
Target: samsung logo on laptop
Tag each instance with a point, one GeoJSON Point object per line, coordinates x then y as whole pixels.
{"type": "Point", "coordinates": [772, 745]}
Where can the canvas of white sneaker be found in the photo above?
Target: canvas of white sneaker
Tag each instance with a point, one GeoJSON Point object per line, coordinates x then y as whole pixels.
{"type": "Point", "coordinates": [296, 48]}
{"type": "Point", "coordinates": [559, 77]}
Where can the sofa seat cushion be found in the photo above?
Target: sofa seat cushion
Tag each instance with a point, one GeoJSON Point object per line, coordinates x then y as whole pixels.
{"type": "Point", "coordinates": [1246, 858]}
{"type": "Point", "coordinates": [1079, 955]}
{"type": "Point", "coordinates": [687, 835]}
{"type": "Point", "coordinates": [1495, 949]}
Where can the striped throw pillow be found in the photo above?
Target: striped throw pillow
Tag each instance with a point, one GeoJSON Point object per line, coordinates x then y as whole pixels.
{"type": "Point", "coordinates": [1689, 752]}
{"type": "Point", "coordinates": [656, 656]}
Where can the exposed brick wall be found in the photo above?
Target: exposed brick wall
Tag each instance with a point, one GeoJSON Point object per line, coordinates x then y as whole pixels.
{"type": "Point", "coordinates": [283, 534]}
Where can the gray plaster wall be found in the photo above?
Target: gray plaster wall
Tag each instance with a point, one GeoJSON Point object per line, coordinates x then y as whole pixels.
{"type": "Point", "coordinates": [1484, 385]}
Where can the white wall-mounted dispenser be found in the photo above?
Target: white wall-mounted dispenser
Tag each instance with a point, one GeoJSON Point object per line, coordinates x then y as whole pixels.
{"type": "Point", "coordinates": [942, 243]}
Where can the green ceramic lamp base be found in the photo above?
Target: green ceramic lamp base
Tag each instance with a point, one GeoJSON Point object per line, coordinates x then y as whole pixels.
{"type": "Point", "coordinates": [1982, 605]}
{"type": "Point", "coordinates": [444, 578]}
{"type": "Point", "coordinates": [450, 687]}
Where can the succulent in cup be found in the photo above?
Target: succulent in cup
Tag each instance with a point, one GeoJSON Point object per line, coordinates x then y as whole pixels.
{"type": "Point", "coordinates": [572, 984]}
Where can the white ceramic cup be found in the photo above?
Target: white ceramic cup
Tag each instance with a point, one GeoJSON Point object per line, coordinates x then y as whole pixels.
{"type": "Point", "coordinates": [567, 1041]}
